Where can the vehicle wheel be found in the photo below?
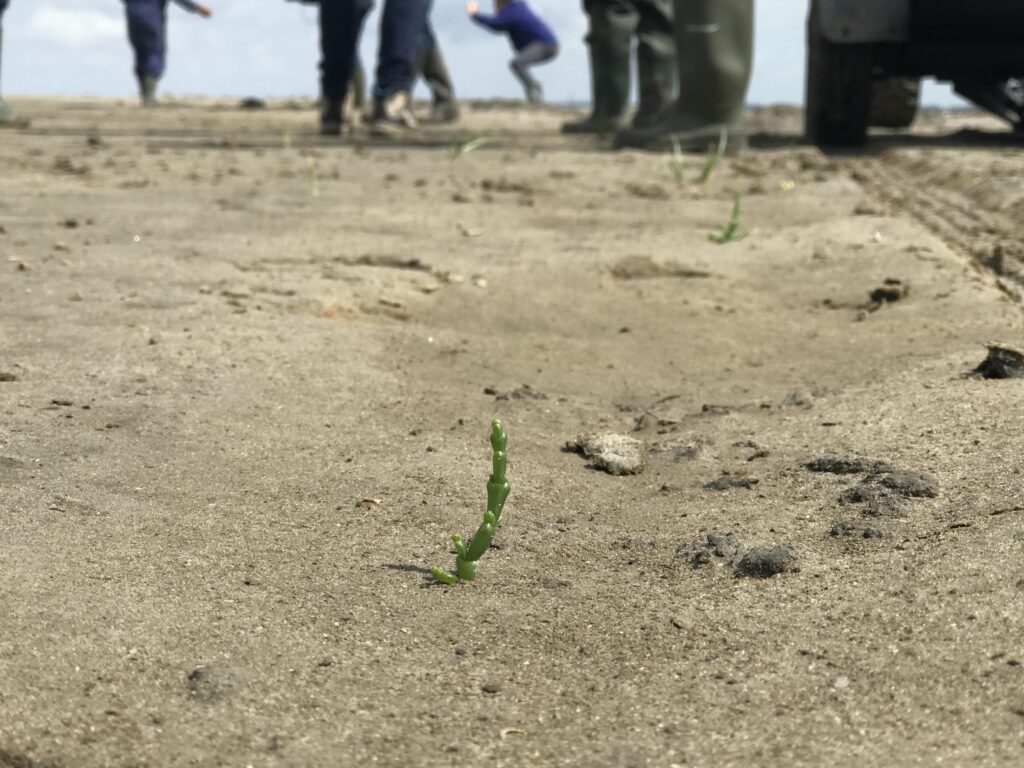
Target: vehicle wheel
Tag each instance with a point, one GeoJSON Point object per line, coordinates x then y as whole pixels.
{"type": "Point", "coordinates": [894, 102]}
{"type": "Point", "coordinates": [839, 84]}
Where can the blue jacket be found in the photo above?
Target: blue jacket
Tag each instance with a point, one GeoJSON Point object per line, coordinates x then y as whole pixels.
{"type": "Point", "coordinates": [522, 25]}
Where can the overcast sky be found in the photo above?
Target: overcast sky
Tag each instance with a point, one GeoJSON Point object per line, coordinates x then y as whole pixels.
{"type": "Point", "coordinates": [269, 48]}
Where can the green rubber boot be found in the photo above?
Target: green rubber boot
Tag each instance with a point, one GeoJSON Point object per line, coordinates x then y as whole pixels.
{"type": "Point", "coordinates": [610, 43]}
{"type": "Point", "coordinates": [715, 51]}
{"type": "Point", "coordinates": [430, 64]}
{"type": "Point", "coordinates": [147, 90]}
{"type": "Point", "coordinates": [656, 62]}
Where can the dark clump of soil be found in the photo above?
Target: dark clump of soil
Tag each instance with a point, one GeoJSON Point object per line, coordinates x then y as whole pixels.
{"type": "Point", "coordinates": [849, 465]}
{"type": "Point", "coordinates": [912, 484]}
{"type": "Point", "coordinates": [1003, 362]}
{"type": "Point", "coordinates": [765, 562]}
{"type": "Point", "coordinates": [853, 529]}
{"type": "Point", "coordinates": [892, 289]}
{"type": "Point", "coordinates": [714, 547]}
{"type": "Point", "coordinates": [877, 501]}
{"type": "Point", "coordinates": [211, 682]}
{"type": "Point", "coordinates": [725, 482]}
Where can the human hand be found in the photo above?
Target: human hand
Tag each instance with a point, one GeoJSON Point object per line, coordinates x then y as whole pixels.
{"type": "Point", "coordinates": [472, 8]}
{"type": "Point", "coordinates": [203, 11]}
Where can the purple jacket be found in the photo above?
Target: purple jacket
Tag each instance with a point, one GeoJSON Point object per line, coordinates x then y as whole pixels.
{"type": "Point", "coordinates": [522, 25]}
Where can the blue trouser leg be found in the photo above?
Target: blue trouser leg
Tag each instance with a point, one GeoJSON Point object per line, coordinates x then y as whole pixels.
{"type": "Point", "coordinates": [147, 31]}
{"type": "Point", "coordinates": [426, 41]}
{"type": "Point", "coordinates": [341, 22]}
{"type": "Point", "coordinates": [401, 25]}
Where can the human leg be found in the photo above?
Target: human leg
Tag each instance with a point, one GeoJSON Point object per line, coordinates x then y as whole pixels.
{"type": "Point", "coordinates": [533, 54]}
{"type": "Point", "coordinates": [402, 23]}
{"type": "Point", "coordinates": [341, 22]}
{"type": "Point", "coordinates": [147, 35]}
{"type": "Point", "coordinates": [714, 51]}
{"type": "Point", "coordinates": [656, 60]}
{"type": "Point", "coordinates": [610, 42]}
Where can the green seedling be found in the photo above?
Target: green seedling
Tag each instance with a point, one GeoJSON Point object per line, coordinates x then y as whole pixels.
{"type": "Point", "coordinates": [464, 149]}
{"type": "Point", "coordinates": [732, 231]}
{"type": "Point", "coordinates": [715, 155]}
{"type": "Point", "coordinates": [675, 163]}
{"type": "Point", "coordinates": [468, 555]}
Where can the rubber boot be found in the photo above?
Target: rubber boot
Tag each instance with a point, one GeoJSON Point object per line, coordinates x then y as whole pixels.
{"type": "Point", "coordinates": [657, 78]}
{"type": "Point", "coordinates": [392, 115]}
{"type": "Point", "coordinates": [715, 51]}
{"type": "Point", "coordinates": [430, 64]}
{"type": "Point", "coordinates": [147, 90]}
{"type": "Point", "coordinates": [610, 43]}
{"type": "Point", "coordinates": [332, 113]}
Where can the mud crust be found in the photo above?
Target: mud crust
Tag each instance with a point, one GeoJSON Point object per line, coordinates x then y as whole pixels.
{"type": "Point", "coordinates": [955, 205]}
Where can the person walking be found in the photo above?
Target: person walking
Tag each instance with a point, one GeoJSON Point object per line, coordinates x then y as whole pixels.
{"type": "Point", "coordinates": [613, 26]}
{"type": "Point", "coordinates": [147, 32]}
{"type": "Point", "coordinates": [532, 39]}
{"type": "Point", "coordinates": [715, 48]}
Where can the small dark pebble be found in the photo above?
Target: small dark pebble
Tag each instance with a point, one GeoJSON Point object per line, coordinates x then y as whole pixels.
{"type": "Point", "coordinates": [725, 482]}
{"type": "Point", "coordinates": [765, 562]}
{"type": "Point", "coordinates": [61, 402]}
{"type": "Point", "coordinates": [211, 682]}
{"type": "Point", "coordinates": [491, 688]}
{"type": "Point", "coordinates": [849, 465]}
{"type": "Point", "coordinates": [5, 376]}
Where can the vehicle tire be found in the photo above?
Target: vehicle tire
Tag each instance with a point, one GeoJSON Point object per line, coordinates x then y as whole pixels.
{"type": "Point", "coordinates": [894, 102]}
{"type": "Point", "coordinates": [839, 85]}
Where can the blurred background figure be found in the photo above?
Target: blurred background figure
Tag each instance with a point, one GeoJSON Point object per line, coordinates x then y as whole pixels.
{"type": "Point", "coordinates": [715, 49]}
{"type": "Point", "coordinates": [147, 32]}
{"type": "Point", "coordinates": [431, 67]}
{"type": "Point", "coordinates": [613, 26]}
{"type": "Point", "coordinates": [532, 39]}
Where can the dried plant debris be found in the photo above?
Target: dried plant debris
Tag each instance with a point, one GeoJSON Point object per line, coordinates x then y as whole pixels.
{"type": "Point", "coordinates": [613, 453]}
{"type": "Point", "coordinates": [1004, 361]}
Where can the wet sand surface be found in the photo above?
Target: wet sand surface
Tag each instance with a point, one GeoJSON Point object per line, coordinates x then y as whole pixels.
{"type": "Point", "coordinates": [246, 379]}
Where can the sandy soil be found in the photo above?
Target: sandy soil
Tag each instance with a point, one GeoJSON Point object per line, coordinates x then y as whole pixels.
{"type": "Point", "coordinates": [246, 378]}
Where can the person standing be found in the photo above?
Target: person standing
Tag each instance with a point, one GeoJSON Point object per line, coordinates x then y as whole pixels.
{"type": "Point", "coordinates": [532, 39]}
{"type": "Point", "coordinates": [715, 47]}
{"type": "Point", "coordinates": [147, 32]}
{"type": "Point", "coordinates": [613, 26]}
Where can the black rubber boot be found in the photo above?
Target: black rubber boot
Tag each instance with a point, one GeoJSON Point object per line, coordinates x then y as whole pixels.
{"type": "Point", "coordinates": [715, 50]}
{"type": "Point", "coordinates": [610, 42]}
{"type": "Point", "coordinates": [331, 117]}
